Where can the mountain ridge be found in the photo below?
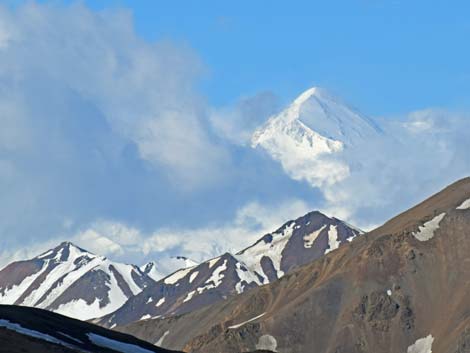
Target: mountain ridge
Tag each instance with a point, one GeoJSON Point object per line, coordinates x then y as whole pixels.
{"type": "Point", "coordinates": [293, 244]}
{"type": "Point", "coordinates": [70, 280]}
{"type": "Point", "coordinates": [389, 290]}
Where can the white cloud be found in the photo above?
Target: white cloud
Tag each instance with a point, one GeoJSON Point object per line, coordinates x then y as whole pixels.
{"type": "Point", "coordinates": [95, 122]}
{"type": "Point", "coordinates": [418, 156]}
{"type": "Point", "coordinates": [125, 243]}
{"type": "Point", "coordinates": [237, 123]}
{"type": "Point", "coordinates": [144, 91]}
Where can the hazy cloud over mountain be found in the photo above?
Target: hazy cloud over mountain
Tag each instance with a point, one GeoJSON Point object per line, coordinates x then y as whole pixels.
{"type": "Point", "coordinates": [107, 140]}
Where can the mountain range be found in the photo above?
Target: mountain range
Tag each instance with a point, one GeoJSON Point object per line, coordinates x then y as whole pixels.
{"type": "Point", "coordinates": [402, 287]}
{"type": "Point", "coordinates": [315, 284]}
{"type": "Point", "coordinates": [76, 283]}
{"type": "Point", "coordinates": [295, 243]}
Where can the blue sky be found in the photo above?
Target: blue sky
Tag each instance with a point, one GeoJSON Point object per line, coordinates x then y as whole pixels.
{"type": "Point", "coordinates": [387, 57]}
{"type": "Point", "coordinates": [125, 124]}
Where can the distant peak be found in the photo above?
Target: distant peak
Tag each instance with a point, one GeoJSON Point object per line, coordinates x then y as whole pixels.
{"type": "Point", "coordinates": [69, 245]}
{"type": "Point", "coordinates": [149, 266]}
{"type": "Point", "coordinates": [187, 261]}
{"type": "Point", "coordinates": [306, 95]}
{"type": "Point", "coordinates": [62, 251]}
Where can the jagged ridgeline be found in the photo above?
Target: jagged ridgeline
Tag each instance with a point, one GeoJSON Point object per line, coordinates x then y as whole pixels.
{"type": "Point", "coordinates": [400, 288]}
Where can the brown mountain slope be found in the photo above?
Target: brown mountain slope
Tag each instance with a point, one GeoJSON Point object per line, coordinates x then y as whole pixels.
{"type": "Point", "coordinates": [400, 288]}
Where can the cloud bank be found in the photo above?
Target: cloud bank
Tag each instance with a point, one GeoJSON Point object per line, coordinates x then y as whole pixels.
{"type": "Point", "coordinates": [100, 127]}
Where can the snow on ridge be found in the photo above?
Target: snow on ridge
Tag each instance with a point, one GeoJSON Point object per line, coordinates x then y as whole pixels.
{"type": "Point", "coordinates": [252, 256]}
{"type": "Point", "coordinates": [126, 273]}
{"type": "Point", "coordinates": [118, 346]}
{"type": "Point", "coordinates": [33, 333]}
{"type": "Point", "coordinates": [81, 310]}
{"type": "Point", "coordinates": [212, 282]}
{"type": "Point", "coordinates": [151, 270]}
{"type": "Point", "coordinates": [176, 276]}
{"type": "Point", "coordinates": [464, 205]}
{"type": "Point", "coordinates": [64, 266]}
{"type": "Point", "coordinates": [422, 345]}
{"type": "Point", "coordinates": [67, 273]}
{"type": "Point", "coordinates": [427, 230]}
{"type": "Point", "coordinates": [11, 295]}
{"type": "Point", "coordinates": [245, 275]}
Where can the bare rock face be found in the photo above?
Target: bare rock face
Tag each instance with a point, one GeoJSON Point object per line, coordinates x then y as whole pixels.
{"type": "Point", "coordinates": [400, 288]}
{"type": "Point", "coordinates": [294, 244]}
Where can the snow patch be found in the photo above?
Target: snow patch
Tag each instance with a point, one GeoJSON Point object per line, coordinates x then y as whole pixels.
{"type": "Point", "coordinates": [70, 337]}
{"type": "Point", "coordinates": [309, 239]}
{"type": "Point", "coordinates": [247, 321]}
{"type": "Point", "coordinates": [32, 333]}
{"type": "Point", "coordinates": [216, 277]}
{"type": "Point", "coordinates": [252, 256]}
{"type": "Point", "coordinates": [426, 231]}
{"type": "Point", "coordinates": [212, 262]}
{"type": "Point", "coordinates": [245, 276]}
{"type": "Point", "coordinates": [175, 277]}
{"type": "Point", "coordinates": [160, 341]}
{"type": "Point", "coordinates": [160, 302]}
{"type": "Point", "coordinates": [422, 345]}
{"type": "Point", "coordinates": [333, 242]}
{"type": "Point", "coordinates": [115, 345]}
{"type": "Point", "coordinates": [465, 205]}
{"type": "Point", "coordinates": [193, 276]}
{"type": "Point", "coordinates": [189, 296]}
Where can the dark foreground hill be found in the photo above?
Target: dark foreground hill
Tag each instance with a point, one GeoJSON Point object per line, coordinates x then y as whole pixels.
{"type": "Point", "coordinates": [30, 330]}
{"type": "Point", "coordinates": [403, 287]}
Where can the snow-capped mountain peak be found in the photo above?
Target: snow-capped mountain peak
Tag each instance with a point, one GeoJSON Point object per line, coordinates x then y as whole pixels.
{"type": "Point", "coordinates": [309, 132]}
{"type": "Point", "coordinates": [72, 281]}
{"type": "Point", "coordinates": [65, 251]}
{"type": "Point", "coordinates": [151, 270]}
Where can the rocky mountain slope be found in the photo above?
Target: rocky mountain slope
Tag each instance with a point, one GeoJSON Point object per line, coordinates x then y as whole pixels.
{"type": "Point", "coordinates": [307, 136]}
{"type": "Point", "coordinates": [400, 288]}
{"type": "Point", "coordinates": [295, 243]}
{"type": "Point", "coordinates": [31, 330]}
{"type": "Point", "coordinates": [71, 281]}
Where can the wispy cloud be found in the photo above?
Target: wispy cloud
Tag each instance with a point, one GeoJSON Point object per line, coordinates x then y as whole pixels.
{"type": "Point", "coordinates": [122, 242]}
